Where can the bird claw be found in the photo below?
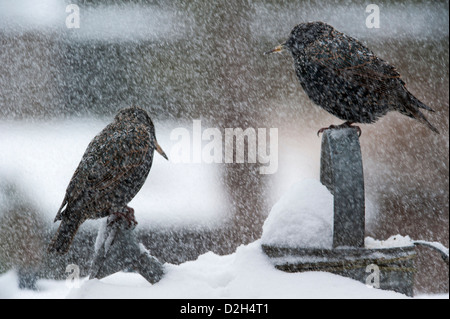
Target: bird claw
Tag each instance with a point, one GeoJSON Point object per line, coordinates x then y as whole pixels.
{"type": "Point", "coordinates": [128, 216]}
{"type": "Point", "coordinates": [337, 127]}
{"type": "Point", "coordinates": [358, 129]}
{"type": "Point", "coordinates": [323, 129]}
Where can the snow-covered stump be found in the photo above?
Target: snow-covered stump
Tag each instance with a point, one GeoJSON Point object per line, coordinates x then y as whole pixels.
{"type": "Point", "coordinates": [310, 230]}
{"type": "Point", "coordinates": [117, 249]}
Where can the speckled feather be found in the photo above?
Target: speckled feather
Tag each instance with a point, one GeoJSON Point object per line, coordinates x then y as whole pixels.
{"type": "Point", "coordinates": [112, 170]}
{"type": "Point", "coordinates": [346, 79]}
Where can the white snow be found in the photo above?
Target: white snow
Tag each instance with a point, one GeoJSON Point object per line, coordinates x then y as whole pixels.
{"type": "Point", "coordinates": [100, 239]}
{"type": "Point", "coordinates": [434, 244]}
{"type": "Point", "coordinates": [402, 241]}
{"type": "Point", "coordinates": [48, 289]}
{"type": "Point", "coordinates": [393, 241]}
{"type": "Point", "coordinates": [248, 273]}
{"type": "Point", "coordinates": [303, 217]}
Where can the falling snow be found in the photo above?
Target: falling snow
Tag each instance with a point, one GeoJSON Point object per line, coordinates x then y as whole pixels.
{"type": "Point", "coordinates": [202, 60]}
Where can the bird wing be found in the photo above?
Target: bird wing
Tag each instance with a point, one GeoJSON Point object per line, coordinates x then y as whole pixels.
{"type": "Point", "coordinates": [109, 159]}
{"type": "Point", "coordinates": [348, 58]}
{"type": "Point", "coordinates": [118, 156]}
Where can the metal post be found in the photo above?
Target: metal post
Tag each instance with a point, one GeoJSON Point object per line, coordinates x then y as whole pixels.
{"type": "Point", "coordinates": [341, 171]}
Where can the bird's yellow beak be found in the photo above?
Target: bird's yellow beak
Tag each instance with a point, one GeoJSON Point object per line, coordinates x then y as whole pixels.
{"type": "Point", "coordinates": [279, 48]}
{"type": "Point", "coordinates": [160, 151]}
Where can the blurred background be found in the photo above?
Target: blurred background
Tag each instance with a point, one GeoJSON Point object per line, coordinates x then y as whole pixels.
{"type": "Point", "coordinates": [188, 60]}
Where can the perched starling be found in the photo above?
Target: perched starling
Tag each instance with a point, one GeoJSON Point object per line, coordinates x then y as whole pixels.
{"type": "Point", "coordinates": [346, 79]}
{"type": "Point", "coordinates": [111, 172]}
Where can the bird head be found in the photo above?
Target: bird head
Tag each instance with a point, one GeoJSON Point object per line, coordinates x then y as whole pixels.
{"type": "Point", "coordinates": [139, 115]}
{"type": "Point", "coordinates": [301, 36]}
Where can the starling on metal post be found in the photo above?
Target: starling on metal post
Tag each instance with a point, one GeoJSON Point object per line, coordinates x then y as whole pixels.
{"type": "Point", "coordinates": [346, 79]}
{"type": "Point", "coordinates": [111, 172]}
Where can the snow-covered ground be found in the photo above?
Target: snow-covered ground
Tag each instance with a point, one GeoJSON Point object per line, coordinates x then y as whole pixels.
{"type": "Point", "coordinates": [248, 273]}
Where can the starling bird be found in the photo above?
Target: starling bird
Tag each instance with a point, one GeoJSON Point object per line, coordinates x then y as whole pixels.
{"type": "Point", "coordinates": [112, 170]}
{"type": "Point", "coordinates": [346, 79]}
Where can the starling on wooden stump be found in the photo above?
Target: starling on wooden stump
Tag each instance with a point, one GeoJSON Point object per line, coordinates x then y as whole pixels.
{"type": "Point", "coordinates": [112, 170]}
{"type": "Point", "coordinates": [346, 79]}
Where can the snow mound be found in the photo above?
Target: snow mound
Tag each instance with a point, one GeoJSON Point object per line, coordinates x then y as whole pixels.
{"type": "Point", "coordinates": [47, 289]}
{"type": "Point", "coordinates": [391, 242]}
{"type": "Point", "coordinates": [303, 217]}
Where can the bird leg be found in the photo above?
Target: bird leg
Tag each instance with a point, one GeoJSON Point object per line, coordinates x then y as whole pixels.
{"type": "Point", "coordinates": [128, 216]}
{"type": "Point", "coordinates": [337, 127]}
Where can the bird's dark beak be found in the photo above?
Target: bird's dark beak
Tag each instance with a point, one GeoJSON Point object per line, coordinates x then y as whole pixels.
{"type": "Point", "coordinates": [160, 151]}
{"type": "Point", "coordinates": [279, 48]}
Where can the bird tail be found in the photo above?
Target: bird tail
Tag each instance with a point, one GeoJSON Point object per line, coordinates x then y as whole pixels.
{"type": "Point", "coordinates": [64, 236]}
{"type": "Point", "coordinates": [412, 109]}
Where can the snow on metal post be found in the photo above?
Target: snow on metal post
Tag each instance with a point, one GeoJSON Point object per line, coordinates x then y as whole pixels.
{"type": "Point", "coordinates": [341, 171]}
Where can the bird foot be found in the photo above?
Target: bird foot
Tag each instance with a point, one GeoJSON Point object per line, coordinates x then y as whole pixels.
{"type": "Point", "coordinates": [128, 216]}
{"type": "Point", "coordinates": [338, 127]}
